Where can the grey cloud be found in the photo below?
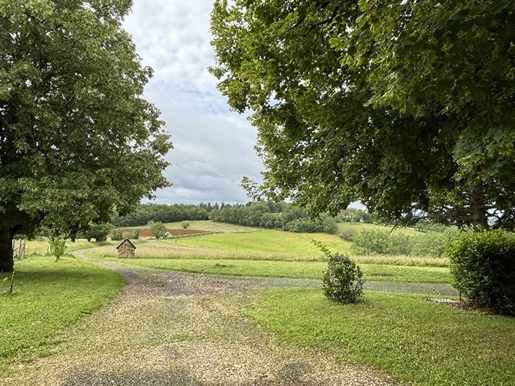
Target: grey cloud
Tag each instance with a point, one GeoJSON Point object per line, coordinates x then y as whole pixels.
{"type": "Point", "coordinates": [213, 147]}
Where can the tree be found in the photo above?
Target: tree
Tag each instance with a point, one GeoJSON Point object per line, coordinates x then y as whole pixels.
{"type": "Point", "coordinates": [158, 230]}
{"type": "Point", "coordinates": [57, 246]}
{"type": "Point", "coordinates": [77, 139]}
{"type": "Point", "coordinates": [406, 106]}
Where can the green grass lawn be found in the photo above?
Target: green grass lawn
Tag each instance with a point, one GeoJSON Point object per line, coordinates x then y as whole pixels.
{"type": "Point", "coordinates": [409, 337]}
{"type": "Point", "coordinates": [48, 297]}
{"type": "Point", "coordinates": [292, 269]}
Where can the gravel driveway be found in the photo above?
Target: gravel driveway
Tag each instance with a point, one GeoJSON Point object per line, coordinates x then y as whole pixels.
{"type": "Point", "coordinates": [168, 328]}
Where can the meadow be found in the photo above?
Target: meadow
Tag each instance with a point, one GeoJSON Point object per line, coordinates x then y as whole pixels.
{"type": "Point", "coordinates": [394, 327]}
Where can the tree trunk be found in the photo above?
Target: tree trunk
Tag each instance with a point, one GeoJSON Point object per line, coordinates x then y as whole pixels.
{"type": "Point", "coordinates": [6, 250]}
{"type": "Point", "coordinates": [478, 201]}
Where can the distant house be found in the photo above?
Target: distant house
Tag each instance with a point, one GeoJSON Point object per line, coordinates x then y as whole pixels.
{"type": "Point", "coordinates": [126, 250]}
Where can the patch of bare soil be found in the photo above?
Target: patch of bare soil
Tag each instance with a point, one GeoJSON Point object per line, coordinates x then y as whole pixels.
{"type": "Point", "coordinates": [168, 328]}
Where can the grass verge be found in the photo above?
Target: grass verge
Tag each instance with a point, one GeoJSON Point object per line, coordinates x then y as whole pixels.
{"type": "Point", "coordinates": [413, 339]}
{"type": "Point", "coordinates": [291, 269]}
{"type": "Point", "coordinates": [48, 296]}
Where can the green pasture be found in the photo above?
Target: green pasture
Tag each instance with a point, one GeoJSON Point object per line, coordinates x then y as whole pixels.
{"type": "Point", "coordinates": [409, 337]}
{"type": "Point", "coordinates": [291, 269]}
{"type": "Point", "coordinates": [48, 297]}
{"type": "Point", "coordinates": [269, 241]}
{"type": "Point", "coordinates": [256, 245]}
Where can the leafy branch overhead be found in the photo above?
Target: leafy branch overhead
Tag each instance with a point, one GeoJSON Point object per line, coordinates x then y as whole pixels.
{"type": "Point", "coordinates": [408, 108]}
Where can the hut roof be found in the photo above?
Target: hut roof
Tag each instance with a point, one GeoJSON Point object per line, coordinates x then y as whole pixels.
{"type": "Point", "coordinates": [124, 242]}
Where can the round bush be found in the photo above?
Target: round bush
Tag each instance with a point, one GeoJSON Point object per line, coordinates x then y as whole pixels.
{"type": "Point", "coordinates": [342, 279]}
{"type": "Point", "coordinates": [483, 269]}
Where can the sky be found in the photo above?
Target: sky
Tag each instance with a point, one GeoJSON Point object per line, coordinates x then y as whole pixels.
{"type": "Point", "coordinates": [213, 146]}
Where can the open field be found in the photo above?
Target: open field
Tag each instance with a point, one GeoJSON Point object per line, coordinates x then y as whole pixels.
{"type": "Point", "coordinates": [260, 245]}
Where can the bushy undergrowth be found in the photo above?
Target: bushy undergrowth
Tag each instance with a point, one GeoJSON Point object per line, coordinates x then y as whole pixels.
{"type": "Point", "coordinates": [483, 269]}
{"type": "Point", "coordinates": [376, 242]}
{"type": "Point", "coordinates": [343, 279]}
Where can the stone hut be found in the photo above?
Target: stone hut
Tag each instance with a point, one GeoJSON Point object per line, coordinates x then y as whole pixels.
{"type": "Point", "coordinates": [126, 250]}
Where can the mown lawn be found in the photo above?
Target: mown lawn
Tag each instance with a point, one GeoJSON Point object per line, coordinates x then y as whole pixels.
{"type": "Point", "coordinates": [292, 269]}
{"type": "Point", "coordinates": [406, 335]}
{"type": "Point", "coordinates": [48, 297]}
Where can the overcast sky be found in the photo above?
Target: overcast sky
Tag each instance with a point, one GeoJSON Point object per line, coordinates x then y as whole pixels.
{"type": "Point", "coordinates": [213, 147]}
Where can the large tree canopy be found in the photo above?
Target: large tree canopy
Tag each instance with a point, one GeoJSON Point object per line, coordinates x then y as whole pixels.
{"type": "Point", "coordinates": [77, 140]}
{"type": "Point", "coordinates": [405, 105]}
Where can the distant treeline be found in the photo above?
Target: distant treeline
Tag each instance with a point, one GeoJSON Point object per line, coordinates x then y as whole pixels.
{"type": "Point", "coordinates": [274, 215]}
{"type": "Point", "coordinates": [164, 213]}
{"type": "Point", "coordinates": [269, 215]}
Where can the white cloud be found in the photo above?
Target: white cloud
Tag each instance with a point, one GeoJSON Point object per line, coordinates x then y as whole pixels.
{"type": "Point", "coordinates": [213, 147]}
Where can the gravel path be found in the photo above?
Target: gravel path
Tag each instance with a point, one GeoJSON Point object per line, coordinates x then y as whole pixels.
{"type": "Point", "coordinates": [168, 328]}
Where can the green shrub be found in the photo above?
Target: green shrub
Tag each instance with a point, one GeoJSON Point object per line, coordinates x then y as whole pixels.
{"type": "Point", "coordinates": [117, 234]}
{"type": "Point", "coordinates": [185, 224]}
{"type": "Point", "coordinates": [342, 280]}
{"type": "Point", "coordinates": [135, 234]}
{"type": "Point", "coordinates": [371, 243]}
{"type": "Point", "coordinates": [348, 234]}
{"type": "Point", "coordinates": [433, 243]}
{"type": "Point", "coordinates": [57, 246]}
{"type": "Point", "coordinates": [483, 269]}
{"type": "Point", "coordinates": [99, 232]}
{"type": "Point", "coordinates": [158, 230]}
{"type": "Point", "coordinates": [399, 244]}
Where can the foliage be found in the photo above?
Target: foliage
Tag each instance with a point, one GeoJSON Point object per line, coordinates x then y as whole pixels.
{"type": "Point", "coordinates": [483, 268]}
{"type": "Point", "coordinates": [185, 224]}
{"type": "Point", "coordinates": [158, 230]}
{"type": "Point", "coordinates": [371, 242]}
{"type": "Point", "coordinates": [97, 231]}
{"type": "Point", "coordinates": [407, 108]}
{"type": "Point", "coordinates": [413, 340]}
{"type": "Point", "coordinates": [348, 234]}
{"type": "Point", "coordinates": [145, 213]}
{"type": "Point", "coordinates": [117, 234]}
{"type": "Point", "coordinates": [135, 234]}
{"type": "Point", "coordinates": [357, 215]}
{"type": "Point", "coordinates": [49, 298]}
{"type": "Point", "coordinates": [57, 246]}
{"type": "Point", "coordinates": [275, 216]}
{"type": "Point", "coordinates": [77, 139]}
{"type": "Point", "coordinates": [342, 280]}
{"type": "Point", "coordinates": [429, 226]}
